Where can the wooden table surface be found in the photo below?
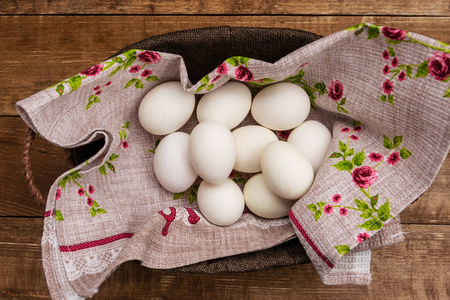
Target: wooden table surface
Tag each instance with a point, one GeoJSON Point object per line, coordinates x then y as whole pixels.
{"type": "Point", "coordinates": [43, 42]}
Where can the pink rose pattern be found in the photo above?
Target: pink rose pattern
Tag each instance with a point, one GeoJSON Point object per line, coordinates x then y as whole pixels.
{"type": "Point", "coordinates": [94, 97]}
{"type": "Point", "coordinates": [123, 134]}
{"type": "Point", "coordinates": [394, 62]}
{"type": "Point", "coordinates": [58, 194]}
{"type": "Point", "coordinates": [335, 90]}
{"type": "Point", "coordinates": [364, 175]}
{"type": "Point", "coordinates": [388, 87]}
{"type": "Point", "coordinates": [328, 209]}
{"type": "Point", "coordinates": [437, 64]}
{"type": "Point", "coordinates": [149, 57]}
{"type": "Point", "coordinates": [146, 73]}
{"type": "Point", "coordinates": [343, 211]}
{"type": "Point", "coordinates": [135, 69]}
{"type": "Point", "coordinates": [362, 237]}
{"type": "Point", "coordinates": [133, 61]}
{"type": "Point", "coordinates": [336, 93]}
{"type": "Point", "coordinates": [337, 198]}
{"type": "Point", "coordinates": [242, 73]}
{"type": "Point", "coordinates": [394, 34]}
{"type": "Point", "coordinates": [87, 192]}
{"type": "Point", "coordinates": [93, 71]}
{"type": "Point", "coordinates": [376, 157]}
{"type": "Point", "coordinates": [145, 58]}
{"type": "Point", "coordinates": [394, 158]}
{"type": "Point", "coordinates": [222, 69]}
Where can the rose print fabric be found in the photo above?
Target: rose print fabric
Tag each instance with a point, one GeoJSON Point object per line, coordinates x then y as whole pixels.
{"type": "Point", "coordinates": [383, 93]}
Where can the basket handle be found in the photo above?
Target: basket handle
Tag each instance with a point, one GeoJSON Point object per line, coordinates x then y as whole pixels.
{"type": "Point", "coordinates": [28, 174]}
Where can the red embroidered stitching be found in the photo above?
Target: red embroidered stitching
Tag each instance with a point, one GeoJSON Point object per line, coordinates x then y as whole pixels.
{"type": "Point", "coordinates": [169, 219]}
{"type": "Point", "coordinates": [91, 244]}
{"type": "Point", "coordinates": [193, 217]}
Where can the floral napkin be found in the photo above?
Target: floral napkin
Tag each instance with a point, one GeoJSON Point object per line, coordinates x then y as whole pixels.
{"type": "Point", "coordinates": [383, 93]}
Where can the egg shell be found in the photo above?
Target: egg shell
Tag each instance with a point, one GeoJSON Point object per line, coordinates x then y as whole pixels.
{"type": "Point", "coordinates": [229, 104]}
{"type": "Point", "coordinates": [250, 141]}
{"type": "Point", "coordinates": [171, 163]}
{"type": "Point", "coordinates": [262, 201]}
{"type": "Point", "coordinates": [212, 151]}
{"type": "Point", "coordinates": [286, 170]}
{"type": "Point", "coordinates": [281, 106]}
{"type": "Point", "coordinates": [166, 108]}
{"type": "Point", "coordinates": [221, 204]}
{"type": "Point", "coordinates": [313, 139]}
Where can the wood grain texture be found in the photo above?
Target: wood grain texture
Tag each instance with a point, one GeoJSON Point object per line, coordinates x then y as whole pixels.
{"type": "Point", "coordinates": [211, 7]}
{"type": "Point", "coordinates": [21, 271]}
{"type": "Point", "coordinates": [43, 50]}
{"type": "Point", "coordinates": [46, 41]}
{"type": "Point", "coordinates": [433, 206]}
{"type": "Point", "coordinates": [48, 162]}
{"type": "Point", "coordinates": [414, 269]}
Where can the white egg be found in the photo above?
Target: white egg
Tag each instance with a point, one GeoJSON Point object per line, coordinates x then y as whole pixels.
{"type": "Point", "coordinates": [166, 108]}
{"type": "Point", "coordinates": [212, 151]}
{"type": "Point", "coordinates": [229, 104]}
{"type": "Point", "coordinates": [262, 201]}
{"type": "Point", "coordinates": [281, 106]}
{"type": "Point", "coordinates": [286, 170]}
{"type": "Point", "coordinates": [221, 204]}
{"type": "Point", "coordinates": [171, 163]}
{"type": "Point", "coordinates": [250, 142]}
{"type": "Point", "coordinates": [313, 139]}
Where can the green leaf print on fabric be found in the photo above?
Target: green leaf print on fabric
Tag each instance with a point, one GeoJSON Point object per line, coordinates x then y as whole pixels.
{"type": "Point", "coordinates": [123, 134]}
{"type": "Point", "coordinates": [94, 98]}
{"type": "Point", "coordinates": [364, 177]}
{"type": "Point", "coordinates": [437, 64]}
{"type": "Point", "coordinates": [342, 249]}
{"type": "Point", "coordinates": [334, 91]}
{"type": "Point", "coordinates": [191, 194]}
{"type": "Point", "coordinates": [83, 192]}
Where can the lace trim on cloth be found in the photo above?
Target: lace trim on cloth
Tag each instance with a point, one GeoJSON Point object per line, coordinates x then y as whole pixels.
{"type": "Point", "coordinates": [90, 264]}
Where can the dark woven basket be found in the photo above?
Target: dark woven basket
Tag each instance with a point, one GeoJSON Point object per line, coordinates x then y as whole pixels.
{"type": "Point", "coordinates": [203, 50]}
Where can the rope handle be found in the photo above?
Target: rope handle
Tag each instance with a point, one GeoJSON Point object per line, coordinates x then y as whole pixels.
{"type": "Point", "coordinates": [28, 174]}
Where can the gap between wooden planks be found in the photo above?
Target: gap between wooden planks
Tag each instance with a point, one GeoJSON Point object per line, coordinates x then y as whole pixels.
{"type": "Point", "coordinates": [48, 162]}
{"type": "Point", "coordinates": [53, 48]}
{"type": "Point", "coordinates": [211, 7]}
{"type": "Point", "coordinates": [414, 269]}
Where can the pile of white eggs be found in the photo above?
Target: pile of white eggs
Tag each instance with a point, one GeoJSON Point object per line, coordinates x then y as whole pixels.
{"type": "Point", "coordinates": [284, 170]}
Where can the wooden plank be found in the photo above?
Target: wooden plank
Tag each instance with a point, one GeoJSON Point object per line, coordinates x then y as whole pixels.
{"type": "Point", "coordinates": [433, 206]}
{"type": "Point", "coordinates": [413, 269]}
{"type": "Point", "coordinates": [267, 7]}
{"type": "Point", "coordinates": [42, 50]}
{"type": "Point", "coordinates": [21, 271]}
{"type": "Point", "coordinates": [48, 162]}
